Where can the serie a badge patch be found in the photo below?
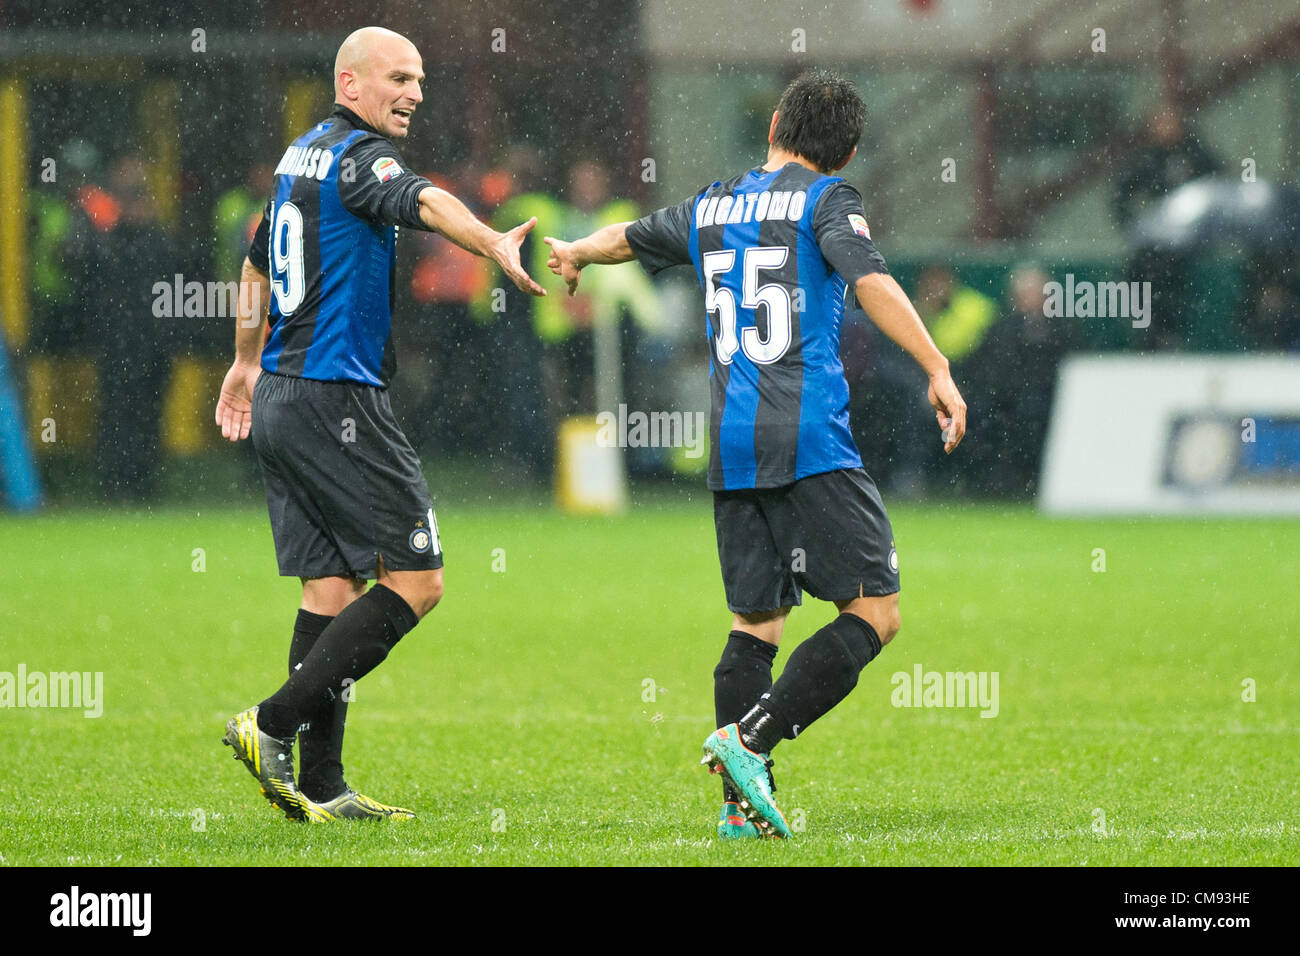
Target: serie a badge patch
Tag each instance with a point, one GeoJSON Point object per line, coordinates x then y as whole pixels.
{"type": "Point", "coordinates": [385, 169]}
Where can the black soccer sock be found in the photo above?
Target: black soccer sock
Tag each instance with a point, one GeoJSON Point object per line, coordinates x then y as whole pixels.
{"type": "Point", "coordinates": [820, 673]}
{"type": "Point", "coordinates": [320, 737]}
{"type": "Point", "coordinates": [743, 675]}
{"type": "Point", "coordinates": [306, 629]}
{"type": "Point", "coordinates": [353, 645]}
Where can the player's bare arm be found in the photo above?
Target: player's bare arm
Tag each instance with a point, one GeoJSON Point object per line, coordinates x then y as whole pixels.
{"type": "Point", "coordinates": [235, 404]}
{"type": "Point", "coordinates": [448, 216]}
{"type": "Point", "coordinates": [606, 246]}
{"type": "Point", "coordinates": [890, 309]}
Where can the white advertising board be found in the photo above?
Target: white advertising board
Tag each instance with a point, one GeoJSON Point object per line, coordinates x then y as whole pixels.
{"type": "Point", "coordinates": [1174, 434]}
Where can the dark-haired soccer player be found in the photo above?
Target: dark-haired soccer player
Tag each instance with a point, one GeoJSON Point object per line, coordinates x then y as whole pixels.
{"type": "Point", "coordinates": [346, 493]}
{"type": "Point", "coordinates": [775, 249]}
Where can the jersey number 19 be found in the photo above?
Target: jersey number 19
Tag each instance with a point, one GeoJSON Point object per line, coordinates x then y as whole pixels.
{"type": "Point", "coordinates": [289, 280]}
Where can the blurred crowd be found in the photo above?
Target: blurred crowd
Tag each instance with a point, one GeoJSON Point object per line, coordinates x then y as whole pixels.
{"type": "Point", "coordinates": [97, 249]}
{"type": "Point", "coordinates": [489, 373]}
{"type": "Point", "coordinates": [1004, 356]}
{"type": "Point", "coordinates": [483, 369]}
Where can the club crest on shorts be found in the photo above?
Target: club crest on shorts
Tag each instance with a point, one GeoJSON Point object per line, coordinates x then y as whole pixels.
{"type": "Point", "coordinates": [893, 560]}
{"type": "Point", "coordinates": [421, 540]}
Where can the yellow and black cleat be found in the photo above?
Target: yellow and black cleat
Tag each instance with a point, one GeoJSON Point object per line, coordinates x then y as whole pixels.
{"type": "Point", "coordinates": [350, 805]}
{"type": "Point", "coordinates": [268, 759]}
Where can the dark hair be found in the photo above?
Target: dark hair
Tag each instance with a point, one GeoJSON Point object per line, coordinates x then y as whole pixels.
{"type": "Point", "coordinates": [821, 119]}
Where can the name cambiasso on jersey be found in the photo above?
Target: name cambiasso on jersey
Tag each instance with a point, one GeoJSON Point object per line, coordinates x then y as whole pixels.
{"type": "Point", "coordinates": [774, 304]}
{"type": "Point", "coordinates": [331, 271]}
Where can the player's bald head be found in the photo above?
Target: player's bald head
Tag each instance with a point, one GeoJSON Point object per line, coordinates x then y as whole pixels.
{"type": "Point", "coordinates": [377, 74]}
{"type": "Point", "coordinates": [370, 48]}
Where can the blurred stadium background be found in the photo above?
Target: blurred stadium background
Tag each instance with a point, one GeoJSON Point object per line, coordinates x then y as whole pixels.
{"type": "Point", "coordinates": [1148, 709]}
{"type": "Point", "coordinates": [1008, 145]}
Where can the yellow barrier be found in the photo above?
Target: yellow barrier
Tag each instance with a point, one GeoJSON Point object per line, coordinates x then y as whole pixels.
{"type": "Point", "coordinates": [304, 103]}
{"type": "Point", "coordinates": [63, 401]}
{"type": "Point", "coordinates": [589, 476]}
{"type": "Point", "coordinates": [61, 407]}
{"type": "Point", "coordinates": [158, 113]}
{"type": "Point", "coordinates": [14, 175]}
{"type": "Point", "coordinates": [189, 404]}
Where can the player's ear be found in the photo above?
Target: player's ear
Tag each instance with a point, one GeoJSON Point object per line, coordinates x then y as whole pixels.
{"type": "Point", "coordinates": [847, 160]}
{"type": "Point", "coordinates": [348, 83]}
{"type": "Point", "coordinates": [771, 130]}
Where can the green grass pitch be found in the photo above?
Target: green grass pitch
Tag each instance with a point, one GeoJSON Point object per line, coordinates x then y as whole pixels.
{"type": "Point", "coordinates": [518, 720]}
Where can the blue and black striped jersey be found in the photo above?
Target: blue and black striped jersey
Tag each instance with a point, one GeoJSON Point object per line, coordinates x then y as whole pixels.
{"type": "Point", "coordinates": [328, 242]}
{"type": "Point", "coordinates": [774, 252]}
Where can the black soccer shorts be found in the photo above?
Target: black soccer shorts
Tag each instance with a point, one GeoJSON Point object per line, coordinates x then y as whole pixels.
{"type": "Point", "coordinates": [826, 534]}
{"type": "Point", "coordinates": [343, 485]}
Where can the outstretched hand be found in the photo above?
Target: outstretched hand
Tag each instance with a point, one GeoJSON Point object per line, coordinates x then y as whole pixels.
{"type": "Point", "coordinates": [506, 254]}
{"type": "Point", "coordinates": [563, 262]}
{"type": "Point", "coordinates": [949, 409]}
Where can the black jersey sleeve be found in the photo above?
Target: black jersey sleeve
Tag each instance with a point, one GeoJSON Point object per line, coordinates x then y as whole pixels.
{"type": "Point", "coordinates": [663, 238]}
{"type": "Point", "coordinates": [259, 250]}
{"type": "Point", "coordinates": [843, 236]}
{"type": "Point", "coordinates": [376, 184]}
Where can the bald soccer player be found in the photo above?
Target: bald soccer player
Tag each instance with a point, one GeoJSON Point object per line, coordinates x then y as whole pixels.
{"type": "Point", "coordinates": [347, 497]}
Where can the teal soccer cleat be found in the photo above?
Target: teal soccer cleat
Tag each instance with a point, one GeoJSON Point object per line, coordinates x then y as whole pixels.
{"type": "Point", "coordinates": [732, 824]}
{"type": "Point", "coordinates": [747, 772]}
